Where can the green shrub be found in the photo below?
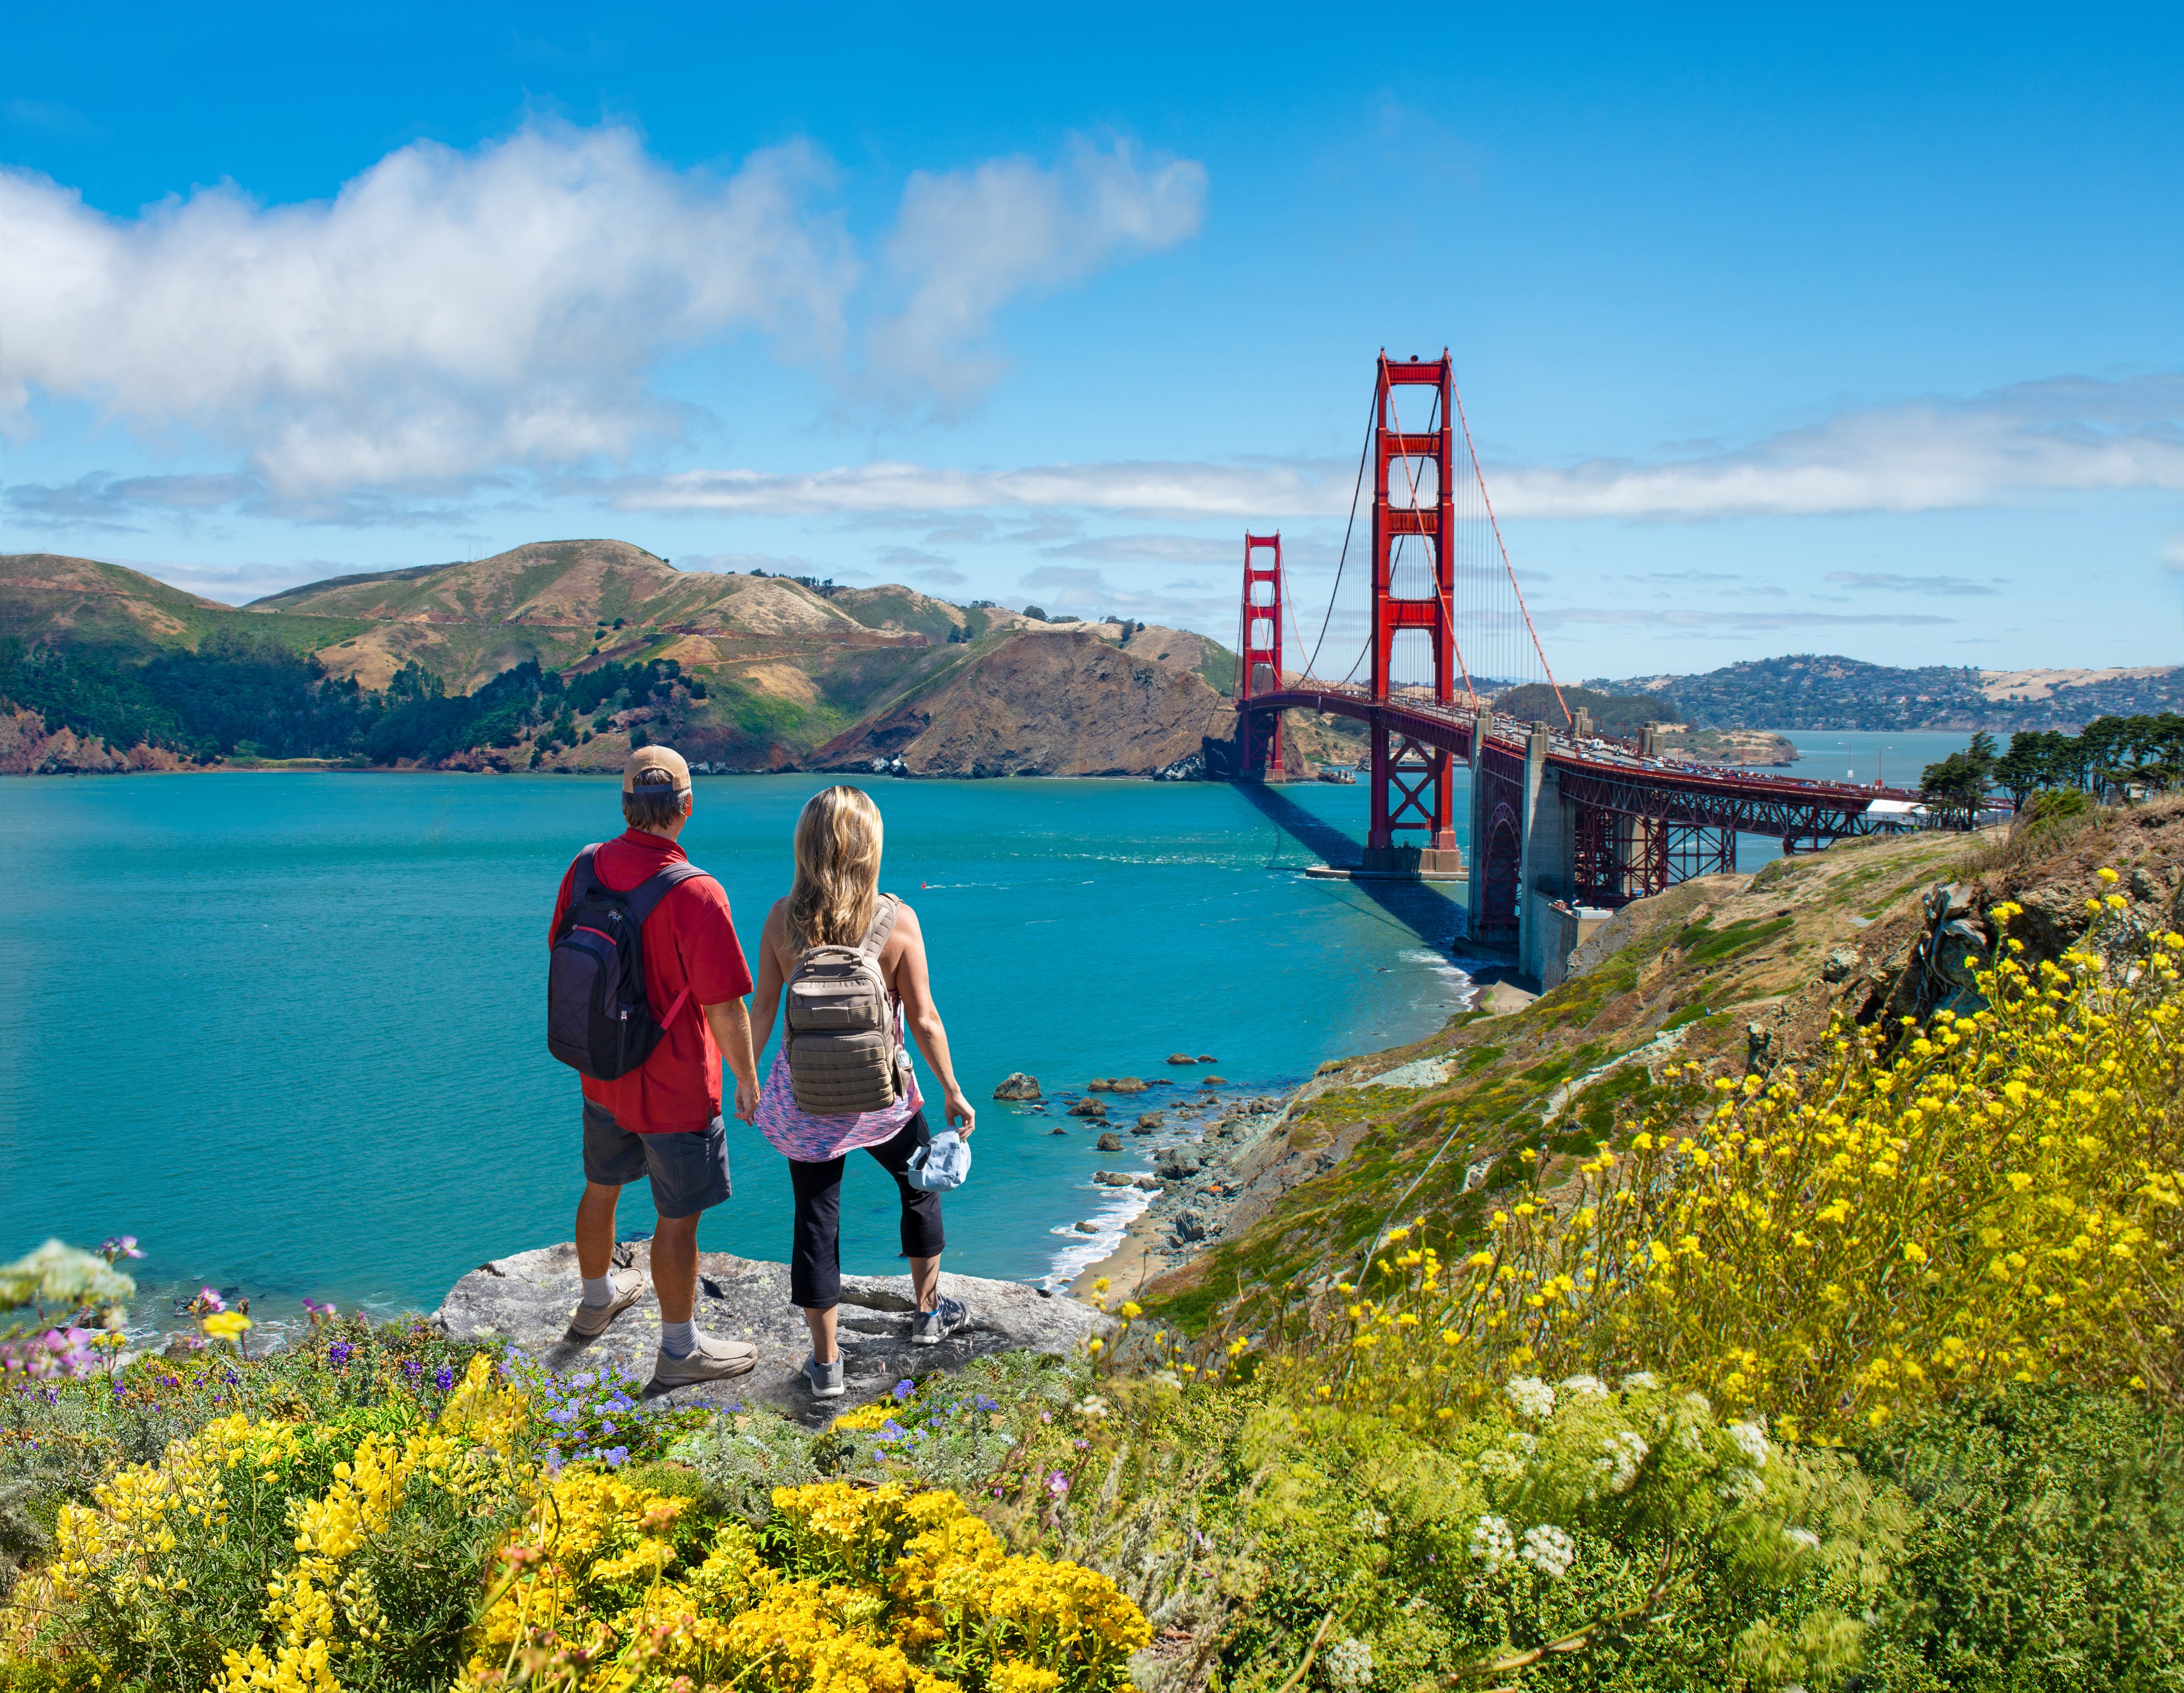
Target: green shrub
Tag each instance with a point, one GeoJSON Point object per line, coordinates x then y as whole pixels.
{"type": "Point", "coordinates": [2048, 1549]}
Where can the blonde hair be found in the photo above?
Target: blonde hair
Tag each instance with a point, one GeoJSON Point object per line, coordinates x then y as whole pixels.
{"type": "Point", "coordinates": [837, 869]}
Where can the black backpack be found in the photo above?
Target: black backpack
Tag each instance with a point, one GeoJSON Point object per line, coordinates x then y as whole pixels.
{"type": "Point", "coordinates": [597, 1020]}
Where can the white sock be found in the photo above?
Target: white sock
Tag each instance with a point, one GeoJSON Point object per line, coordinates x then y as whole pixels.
{"type": "Point", "coordinates": [679, 1339]}
{"type": "Point", "coordinates": [599, 1289]}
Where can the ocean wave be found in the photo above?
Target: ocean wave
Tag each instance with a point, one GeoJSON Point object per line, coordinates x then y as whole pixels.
{"type": "Point", "coordinates": [1124, 1207]}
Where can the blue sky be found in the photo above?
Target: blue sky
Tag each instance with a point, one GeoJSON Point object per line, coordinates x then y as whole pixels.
{"type": "Point", "coordinates": [1853, 331]}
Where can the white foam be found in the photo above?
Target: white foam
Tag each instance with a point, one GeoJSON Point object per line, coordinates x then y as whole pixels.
{"type": "Point", "coordinates": [1124, 1207]}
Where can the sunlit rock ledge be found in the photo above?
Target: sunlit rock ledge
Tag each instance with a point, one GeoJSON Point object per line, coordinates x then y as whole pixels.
{"type": "Point", "coordinates": [527, 1298]}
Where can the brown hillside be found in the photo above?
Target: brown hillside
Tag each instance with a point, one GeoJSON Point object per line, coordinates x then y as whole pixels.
{"type": "Point", "coordinates": [48, 593]}
{"type": "Point", "coordinates": [1059, 704]}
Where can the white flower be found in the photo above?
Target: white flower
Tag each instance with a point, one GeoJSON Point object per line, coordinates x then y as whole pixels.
{"type": "Point", "coordinates": [1752, 1440]}
{"type": "Point", "coordinates": [1549, 1551]}
{"type": "Point", "coordinates": [1803, 1539]}
{"type": "Point", "coordinates": [1165, 1378]}
{"type": "Point", "coordinates": [1516, 1441]}
{"type": "Point", "coordinates": [1349, 1664]}
{"type": "Point", "coordinates": [1492, 1543]}
{"type": "Point", "coordinates": [1740, 1483]}
{"type": "Point", "coordinates": [1625, 1453]}
{"type": "Point", "coordinates": [1092, 1406]}
{"type": "Point", "coordinates": [1700, 1403]}
{"type": "Point", "coordinates": [1640, 1381]}
{"type": "Point", "coordinates": [1532, 1397]}
{"type": "Point", "coordinates": [1371, 1524]}
{"type": "Point", "coordinates": [1591, 1384]}
{"type": "Point", "coordinates": [1501, 1465]}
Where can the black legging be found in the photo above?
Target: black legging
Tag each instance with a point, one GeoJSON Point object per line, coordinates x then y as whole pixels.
{"type": "Point", "coordinates": [815, 1257]}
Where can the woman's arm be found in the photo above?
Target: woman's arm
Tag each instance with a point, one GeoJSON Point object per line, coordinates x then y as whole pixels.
{"type": "Point", "coordinates": [912, 981]}
{"type": "Point", "coordinates": [772, 943]}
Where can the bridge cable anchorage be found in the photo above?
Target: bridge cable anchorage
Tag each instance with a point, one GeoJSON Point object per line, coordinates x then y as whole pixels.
{"type": "Point", "coordinates": [1479, 470]}
{"type": "Point", "coordinates": [1310, 668]}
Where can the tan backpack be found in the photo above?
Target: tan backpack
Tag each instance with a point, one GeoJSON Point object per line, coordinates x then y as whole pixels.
{"type": "Point", "coordinates": [844, 1040]}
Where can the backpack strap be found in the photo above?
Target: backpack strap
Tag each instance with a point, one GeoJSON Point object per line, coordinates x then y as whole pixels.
{"type": "Point", "coordinates": [876, 937]}
{"type": "Point", "coordinates": [644, 898]}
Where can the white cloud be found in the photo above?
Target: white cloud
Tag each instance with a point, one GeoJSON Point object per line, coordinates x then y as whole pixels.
{"type": "Point", "coordinates": [2067, 435]}
{"type": "Point", "coordinates": [446, 314]}
{"type": "Point", "coordinates": [1888, 582]}
{"type": "Point", "coordinates": [1167, 549]}
{"type": "Point", "coordinates": [1155, 487]}
{"type": "Point", "coordinates": [968, 242]}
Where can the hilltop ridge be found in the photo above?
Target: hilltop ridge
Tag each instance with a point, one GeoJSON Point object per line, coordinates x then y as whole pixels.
{"type": "Point", "coordinates": [106, 668]}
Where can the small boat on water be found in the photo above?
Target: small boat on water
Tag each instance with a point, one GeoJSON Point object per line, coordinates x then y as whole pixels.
{"type": "Point", "coordinates": [1329, 772]}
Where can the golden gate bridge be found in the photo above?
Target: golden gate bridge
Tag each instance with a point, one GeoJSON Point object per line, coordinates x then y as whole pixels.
{"type": "Point", "coordinates": [1560, 816]}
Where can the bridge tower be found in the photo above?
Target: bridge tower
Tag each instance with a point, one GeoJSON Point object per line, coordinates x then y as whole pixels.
{"type": "Point", "coordinates": [1259, 733]}
{"type": "Point", "coordinates": [1413, 592]}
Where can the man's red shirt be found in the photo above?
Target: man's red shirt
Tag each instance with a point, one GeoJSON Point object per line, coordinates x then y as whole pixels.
{"type": "Point", "coordinates": [689, 942]}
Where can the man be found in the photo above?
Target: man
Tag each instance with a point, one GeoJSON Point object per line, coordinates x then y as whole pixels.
{"type": "Point", "coordinates": [662, 1120]}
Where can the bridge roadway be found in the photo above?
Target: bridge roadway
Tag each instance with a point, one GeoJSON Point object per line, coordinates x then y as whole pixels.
{"type": "Point", "coordinates": [1587, 823]}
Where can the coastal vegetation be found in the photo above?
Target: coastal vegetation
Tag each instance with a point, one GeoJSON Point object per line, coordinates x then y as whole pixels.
{"type": "Point", "coordinates": [1844, 1358]}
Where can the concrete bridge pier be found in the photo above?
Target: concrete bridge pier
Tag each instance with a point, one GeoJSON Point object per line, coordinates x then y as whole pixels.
{"type": "Point", "coordinates": [1549, 865]}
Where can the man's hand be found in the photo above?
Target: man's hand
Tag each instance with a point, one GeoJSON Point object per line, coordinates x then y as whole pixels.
{"type": "Point", "coordinates": [731, 1026]}
{"type": "Point", "coordinates": [958, 1109]}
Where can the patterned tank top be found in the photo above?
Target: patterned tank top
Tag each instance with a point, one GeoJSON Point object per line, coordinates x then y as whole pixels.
{"type": "Point", "coordinates": [805, 1139]}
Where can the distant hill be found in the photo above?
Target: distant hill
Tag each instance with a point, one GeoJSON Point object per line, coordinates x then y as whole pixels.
{"type": "Point", "coordinates": [1807, 691]}
{"type": "Point", "coordinates": [1613, 713]}
{"type": "Point", "coordinates": [556, 655]}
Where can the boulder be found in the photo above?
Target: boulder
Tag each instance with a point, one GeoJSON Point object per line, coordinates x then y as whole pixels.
{"type": "Point", "coordinates": [1109, 1142]}
{"type": "Point", "coordinates": [1175, 1163]}
{"type": "Point", "coordinates": [1181, 1058]}
{"type": "Point", "coordinates": [1088, 1227]}
{"type": "Point", "coordinates": [1147, 1183]}
{"type": "Point", "coordinates": [1207, 1058]}
{"type": "Point", "coordinates": [1098, 1085]}
{"type": "Point", "coordinates": [1128, 1084]}
{"type": "Point", "coordinates": [1190, 1225]}
{"type": "Point", "coordinates": [528, 1298]}
{"type": "Point", "coordinates": [1213, 1082]}
{"type": "Point", "coordinates": [1018, 1086]}
{"type": "Point", "coordinates": [1057, 1129]}
{"type": "Point", "coordinates": [1142, 1126]}
{"type": "Point", "coordinates": [1092, 1108]}
{"type": "Point", "coordinates": [1111, 1178]}
{"type": "Point", "coordinates": [1839, 964]}
{"type": "Point", "coordinates": [1150, 1120]}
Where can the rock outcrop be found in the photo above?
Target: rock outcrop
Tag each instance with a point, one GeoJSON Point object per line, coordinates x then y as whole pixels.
{"type": "Point", "coordinates": [528, 1297]}
{"type": "Point", "coordinates": [1018, 1086]}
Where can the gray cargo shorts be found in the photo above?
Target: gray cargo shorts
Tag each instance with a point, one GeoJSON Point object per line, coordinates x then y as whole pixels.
{"type": "Point", "coordinates": [689, 1168]}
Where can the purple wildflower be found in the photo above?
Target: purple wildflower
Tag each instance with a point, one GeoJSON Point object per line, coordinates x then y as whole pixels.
{"type": "Point", "coordinates": [1057, 1483]}
{"type": "Point", "coordinates": [903, 1390]}
{"type": "Point", "coordinates": [616, 1457]}
{"type": "Point", "coordinates": [443, 1377]}
{"type": "Point", "coordinates": [338, 1353]}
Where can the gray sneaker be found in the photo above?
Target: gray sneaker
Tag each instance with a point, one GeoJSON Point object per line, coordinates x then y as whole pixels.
{"type": "Point", "coordinates": [825, 1380]}
{"type": "Point", "coordinates": [930, 1328]}
{"type": "Point", "coordinates": [591, 1321]}
{"type": "Point", "coordinates": [709, 1360]}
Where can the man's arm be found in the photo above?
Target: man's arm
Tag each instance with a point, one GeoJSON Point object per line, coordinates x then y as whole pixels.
{"type": "Point", "coordinates": [730, 1026]}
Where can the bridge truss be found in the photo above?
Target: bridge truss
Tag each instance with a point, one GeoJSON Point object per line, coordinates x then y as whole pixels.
{"type": "Point", "coordinates": [1440, 574]}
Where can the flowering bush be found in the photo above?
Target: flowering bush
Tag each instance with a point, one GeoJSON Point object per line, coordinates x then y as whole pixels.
{"type": "Point", "coordinates": [80, 1301]}
{"type": "Point", "coordinates": [258, 1553]}
{"type": "Point", "coordinates": [1999, 1199]}
{"type": "Point", "coordinates": [876, 1589]}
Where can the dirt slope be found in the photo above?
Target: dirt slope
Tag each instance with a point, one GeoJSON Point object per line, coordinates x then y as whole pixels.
{"type": "Point", "coordinates": [1059, 703]}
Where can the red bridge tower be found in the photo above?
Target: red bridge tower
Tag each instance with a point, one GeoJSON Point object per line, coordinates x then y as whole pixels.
{"type": "Point", "coordinates": [1259, 733]}
{"type": "Point", "coordinates": [1413, 593]}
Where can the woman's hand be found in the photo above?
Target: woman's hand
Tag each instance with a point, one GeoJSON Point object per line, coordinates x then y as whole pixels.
{"type": "Point", "coordinates": [958, 1109]}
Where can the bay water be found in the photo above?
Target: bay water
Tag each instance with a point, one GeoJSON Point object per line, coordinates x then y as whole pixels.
{"type": "Point", "coordinates": [287, 1029]}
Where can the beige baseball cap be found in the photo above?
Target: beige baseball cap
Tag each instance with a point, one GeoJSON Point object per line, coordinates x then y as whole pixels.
{"type": "Point", "coordinates": [655, 767]}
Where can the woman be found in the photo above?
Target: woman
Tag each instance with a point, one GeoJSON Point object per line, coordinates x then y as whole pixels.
{"type": "Point", "coordinates": [833, 903]}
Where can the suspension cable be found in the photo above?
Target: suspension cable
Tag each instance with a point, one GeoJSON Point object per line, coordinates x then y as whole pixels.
{"type": "Point", "coordinates": [1479, 470]}
{"type": "Point", "coordinates": [1356, 488]}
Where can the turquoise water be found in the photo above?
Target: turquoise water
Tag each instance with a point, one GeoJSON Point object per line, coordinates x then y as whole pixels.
{"type": "Point", "coordinates": [287, 1029]}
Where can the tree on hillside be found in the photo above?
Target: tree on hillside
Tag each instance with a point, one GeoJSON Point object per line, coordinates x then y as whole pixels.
{"type": "Point", "coordinates": [1955, 788]}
